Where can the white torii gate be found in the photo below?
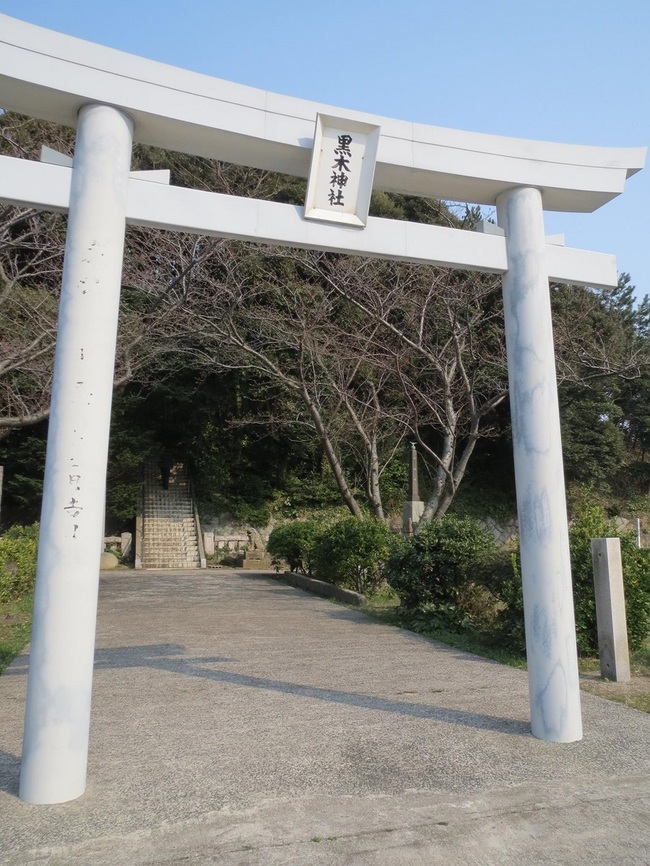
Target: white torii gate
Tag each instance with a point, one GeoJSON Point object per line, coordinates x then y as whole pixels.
{"type": "Point", "coordinates": [114, 98]}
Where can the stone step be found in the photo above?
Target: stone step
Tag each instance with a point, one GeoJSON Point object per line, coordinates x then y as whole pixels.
{"type": "Point", "coordinates": [160, 537]}
{"type": "Point", "coordinates": [168, 562]}
{"type": "Point", "coordinates": [184, 504]}
{"type": "Point", "coordinates": [167, 539]}
{"type": "Point", "coordinates": [170, 521]}
{"type": "Point", "coordinates": [171, 526]}
{"type": "Point", "coordinates": [172, 556]}
{"type": "Point", "coordinates": [150, 540]}
{"type": "Point", "coordinates": [171, 564]}
{"type": "Point", "coordinates": [169, 529]}
{"type": "Point", "coordinates": [170, 517]}
{"type": "Point", "coordinates": [170, 533]}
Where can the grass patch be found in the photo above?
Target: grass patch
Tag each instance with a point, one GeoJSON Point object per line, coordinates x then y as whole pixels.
{"type": "Point", "coordinates": [637, 702]}
{"type": "Point", "coordinates": [635, 693]}
{"type": "Point", "coordinates": [641, 659]}
{"type": "Point", "coordinates": [639, 662]}
{"type": "Point", "coordinates": [385, 606]}
{"type": "Point", "coordinates": [15, 628]}
{"type": "Point", "coordinates": [476, 643]}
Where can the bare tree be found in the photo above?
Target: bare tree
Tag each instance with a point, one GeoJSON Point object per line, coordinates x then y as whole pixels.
{"type": "Point", "coordinates": [366, 352]}
{"type": "Point", "coordinates": [159, 268]}
{"type": "Point", "coordinates": [253, 310]}
{"type": "Point", "coordinates": [441, 335]}
{"type": "Point", "coordinates": [373, 351]}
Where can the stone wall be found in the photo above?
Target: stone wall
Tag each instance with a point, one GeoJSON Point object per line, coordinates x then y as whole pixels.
{"type": "Point", "coordinates": [238, 536]}
{"type": "Point", "coordinates": [505, 532]}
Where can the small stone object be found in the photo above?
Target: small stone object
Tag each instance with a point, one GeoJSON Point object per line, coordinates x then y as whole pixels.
{"type": "Point", "coordinates": [413, 507]}
{"type": "Point", "coordinates": [126, 540]}
{"type": "Point", "coordinates": [108, 560]}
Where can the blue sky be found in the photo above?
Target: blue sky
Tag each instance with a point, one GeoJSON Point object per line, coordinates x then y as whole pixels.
{"type": "Point", "coordinates": [574, 71]}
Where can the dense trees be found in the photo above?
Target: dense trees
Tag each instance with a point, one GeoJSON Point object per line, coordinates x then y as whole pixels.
{"type": "Point", "coordinates": [31, 262]}
{"type": "Point", "coordinates": [269, 365]}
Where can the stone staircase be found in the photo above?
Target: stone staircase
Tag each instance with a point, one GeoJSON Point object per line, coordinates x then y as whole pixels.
{"type": "Point", "coordinates": [170, 536]}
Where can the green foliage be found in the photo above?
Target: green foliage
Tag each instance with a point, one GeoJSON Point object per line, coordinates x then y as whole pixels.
{"type": "Point", "coordinates": [592, 523]}
{"type": "Point", "coordinates": [602, 351]}
{"type": "Point", "coordinates": [295, 542]}
{"type": "Point", "coordinates": [249, 504]}
{"type": "Point", "coordinates": [18, 547]}
{"type": "Point", "coordinates": [352, 553]}
{"type": "Point", "coordinates": [130, 445]}
{"type": "Point", "coordinates": [390, 205]}
{"type": "Point", "coordinates": [636, 578]}
{"type": "Point", "coordinates": [509, 625]}
{"type": "Point", "coordinates": [593, 445]}
{"type": "Point", "coordinates": [432, 617]}
{"type": "Point", "coordinates": [307, 492]}
{"type": "Point", "coordinates": [393, 484]}
{"type": "Point", "coordinates": [432, 570]}
{"type": "Point", "coordinates": [15, 628]}
{"type": "Point", "coordinates": [589, 522]}
{"type": "Point", "coordinates": [23, 455]}
{"type": "Point", "coordinates": [239, 418]}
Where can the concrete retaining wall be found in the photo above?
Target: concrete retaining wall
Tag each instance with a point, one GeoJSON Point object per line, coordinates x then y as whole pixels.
{"type": "Point", "coordinates": [319, 587]}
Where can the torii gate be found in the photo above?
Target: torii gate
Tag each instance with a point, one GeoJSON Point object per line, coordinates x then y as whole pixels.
{"type": "Point", "coordinates": [114, 98]}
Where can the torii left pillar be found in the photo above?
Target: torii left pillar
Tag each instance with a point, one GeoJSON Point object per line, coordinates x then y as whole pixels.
{"type": "Point", "coordinates": [57, 715]}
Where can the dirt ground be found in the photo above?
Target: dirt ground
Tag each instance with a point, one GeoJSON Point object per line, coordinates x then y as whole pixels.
{"type": "Point", "coordinates": [635, 693]}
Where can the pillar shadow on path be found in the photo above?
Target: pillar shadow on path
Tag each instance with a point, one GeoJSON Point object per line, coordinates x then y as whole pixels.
{"type": "Point", "coordinates": [9, 773]}
{"type": "Point", "coordinates": [171, 658]}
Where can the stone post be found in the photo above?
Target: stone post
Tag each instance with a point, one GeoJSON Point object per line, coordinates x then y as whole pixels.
{"type": "Point", "coordinates": [208, 543]}
{"type": "Point", "coordinates": [541, 504]}
{"type": "Point", "coordinates": [610, 609]}
{"type": "Point", "coordinates": [57, 716]}
{"type": "Point", "coordinates": [413, 507]}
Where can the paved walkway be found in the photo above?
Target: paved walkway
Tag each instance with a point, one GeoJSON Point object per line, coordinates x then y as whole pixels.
{"type": "Point", "coordinates": [242, 722]}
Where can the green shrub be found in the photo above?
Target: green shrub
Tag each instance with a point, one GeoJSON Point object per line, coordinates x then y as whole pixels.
{"type": "Point", "coordinates": [432, 570]}
{"type": "Point", "coordinates": [636, 579]}
{"type": "Point", "coordinates": [18, 548]}
{"type": "Point", "coordinates": [295, 542]}
{"type": "Point", "coordinates": [589, 522]}
{"type": "Point", "coordinates": [592, 523]}
{"type": "Point", "coordinates": [509, 625]}
{"type": "Point", "coordinates": [352, 553]}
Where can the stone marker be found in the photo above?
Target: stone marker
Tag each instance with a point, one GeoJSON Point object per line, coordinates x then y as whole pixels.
{"type": "Point", "coordinates": [610, 609]}
{"type": "Point", "coordinates": [126, 543]}
{"type": "Point", "coordinates": [208, 543]}
{"type": "Point", "coordinates": [414, 506]}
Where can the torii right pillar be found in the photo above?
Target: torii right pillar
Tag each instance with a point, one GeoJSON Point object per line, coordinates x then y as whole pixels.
{"type": "Point", "coordinates": [541, 502]}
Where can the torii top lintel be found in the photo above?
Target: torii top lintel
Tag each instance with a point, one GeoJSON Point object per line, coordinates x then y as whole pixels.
{"type": "Point", "coordinates": [51, 76]}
